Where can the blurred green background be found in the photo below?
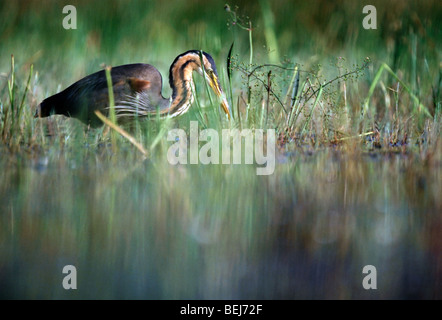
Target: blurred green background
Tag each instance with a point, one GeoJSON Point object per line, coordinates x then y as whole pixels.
{"type": "Point", "coordinates": [149, 230]}
{"type": "Point", "coordinates": [118, 32]}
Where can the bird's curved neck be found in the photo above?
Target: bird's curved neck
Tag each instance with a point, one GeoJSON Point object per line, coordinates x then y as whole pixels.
{"type": "Point", "coordinates": [181, 82]}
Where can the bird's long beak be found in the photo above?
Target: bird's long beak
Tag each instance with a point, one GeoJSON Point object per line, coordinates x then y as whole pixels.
{"type": "Point", "coordinates": [212, 79]}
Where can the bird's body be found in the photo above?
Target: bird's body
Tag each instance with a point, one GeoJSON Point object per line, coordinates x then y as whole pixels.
{"type": "Point", "coordinates": [137, 91]}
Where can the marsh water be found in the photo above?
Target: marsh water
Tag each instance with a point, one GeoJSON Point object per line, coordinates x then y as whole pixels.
{"type": "Point", "coordinates": [137, 229]}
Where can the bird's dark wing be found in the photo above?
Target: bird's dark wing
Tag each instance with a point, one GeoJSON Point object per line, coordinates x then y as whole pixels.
{"type": "Point", "coordinates": [82, 98]}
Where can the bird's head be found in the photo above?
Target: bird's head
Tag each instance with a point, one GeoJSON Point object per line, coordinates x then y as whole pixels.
{"type": "Point", "coordinates": [203, 63]}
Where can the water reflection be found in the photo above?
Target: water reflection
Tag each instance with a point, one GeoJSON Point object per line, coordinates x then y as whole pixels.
{"type": "Point", "coordinates": [154, 231]}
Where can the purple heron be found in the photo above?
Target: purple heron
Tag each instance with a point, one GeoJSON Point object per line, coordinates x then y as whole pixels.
{"type": "Point", "coordinates": [137, 91]}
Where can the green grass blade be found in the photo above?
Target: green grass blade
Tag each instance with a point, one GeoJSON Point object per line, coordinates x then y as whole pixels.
{"type": "Point", "coordinates": [229, 74]}
{"type": "Point", "coordinates": [318, 97]}
{"type": "Point", "coordinates": [269, 31]}
{"type": "Point", "coordinates": [112, 115]}
{"type": "Point", "coordinates": [418, 105]}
